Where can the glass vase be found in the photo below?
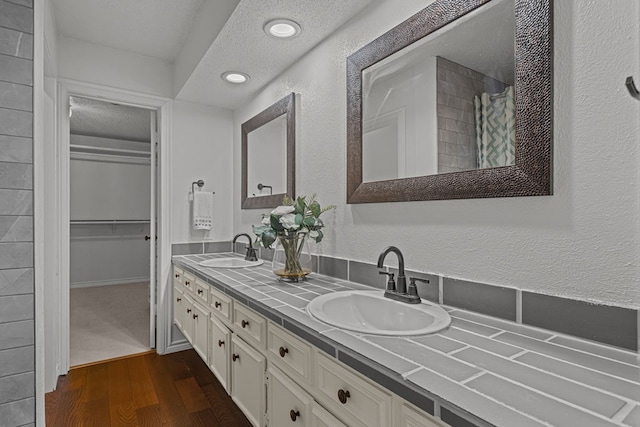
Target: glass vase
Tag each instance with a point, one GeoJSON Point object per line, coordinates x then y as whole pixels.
{"type": "Point", "coordinates": [291, 257]}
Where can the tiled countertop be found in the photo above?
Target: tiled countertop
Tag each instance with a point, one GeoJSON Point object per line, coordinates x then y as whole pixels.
{"type": "Point", "coordinates": [491, 371]}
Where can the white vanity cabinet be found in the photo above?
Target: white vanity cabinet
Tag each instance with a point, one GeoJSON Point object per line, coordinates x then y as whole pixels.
{"type": "Point", "coordinates": [276, 378]}
{"type": "Point", "coordinates": [248, 388]}
{"type": "Point", "coordinates": [191, 310]}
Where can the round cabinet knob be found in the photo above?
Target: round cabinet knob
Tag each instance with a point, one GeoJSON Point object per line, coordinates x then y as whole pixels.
{"type": "Point", "coordinates": [217, 304]}
{"type": "Point", "coordinates": [177, 276]}
{"type": "Point", "coordinates": [188, 310]}
{"type": "Point", "coordinates": [283, 351]}
{"type": "Point", "coordinates": [294, 415]}
{"type": "Point", "coordinates": [195, 316]}
{"type": "Point", "coordinates": [220, 343]}
{"type": "Point", "coordinates": [178, 299]}
{"type": "Point", "coordinates": [343, 396]}
{"type": "Point", "coordinates": [235, 357]}
{"type": "Point", "coordinates": [244, 323]}
{"type": "Point", "coordinates": [199, 291]}
{"type": "Point", "coordinates": [187, 283]}
{"type": "Point", "coordinates": [147, 237]}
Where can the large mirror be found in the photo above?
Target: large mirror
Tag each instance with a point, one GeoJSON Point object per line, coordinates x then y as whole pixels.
{"type": "Point", "coordinates": [455, 102]}
{"type": "Point", "coordinates": [268, 155]}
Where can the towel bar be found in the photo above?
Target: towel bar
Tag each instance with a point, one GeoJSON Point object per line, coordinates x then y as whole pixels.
{"type": "Point", "coordinates": [199, 183]}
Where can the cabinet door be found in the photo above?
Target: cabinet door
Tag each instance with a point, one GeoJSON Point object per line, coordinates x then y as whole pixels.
{"type": "Point", "coordinates": [178, 306]}
{"type": "Point", "coordinates": [219, 356]}
{"type": "Point", "coordinates": [289, 405]}
{"type": "Point", "coordinates": [187, 320]}
{"type": "Point", "coordinates": [200, 341]}
{"type": "Point", "coordinates": [320, 417]}
{"type": "Point", "coordinates": [247, 380]}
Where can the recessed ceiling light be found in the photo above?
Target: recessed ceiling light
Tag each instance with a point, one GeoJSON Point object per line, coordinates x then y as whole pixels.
{"type": "Point", "coordinates": [282, 28]}
{"type": "Point", "coordinates": [235, 77]}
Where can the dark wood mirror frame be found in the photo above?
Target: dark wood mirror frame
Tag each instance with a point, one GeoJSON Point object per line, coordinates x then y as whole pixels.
{"type": "Point", "coordinates": [532, 173]}
{"type": "Point", "coordinates": [285, 106]}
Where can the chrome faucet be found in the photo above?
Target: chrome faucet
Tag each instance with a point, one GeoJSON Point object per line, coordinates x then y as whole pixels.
{"type": "Point", "coordinates": [251, 251]}
{"type": "Point", "coordinates": [399, 291]}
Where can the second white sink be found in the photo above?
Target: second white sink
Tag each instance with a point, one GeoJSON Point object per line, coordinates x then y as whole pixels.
{"type": "Point", "coordinates": [231, 262]}
{"type": "Point", "coordinates": [371, 313]}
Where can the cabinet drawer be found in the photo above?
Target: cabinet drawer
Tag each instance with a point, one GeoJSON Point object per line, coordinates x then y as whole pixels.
{"type": "Point", "coordinates": [349, 396]}
{"type": "Point", "coordinates": [220, 304]}
{"type": "Point", "coordinates": [188, 281]}
{"type": "Point", "coordinates": [292, 353]}
{"type": "Point", "coordinates": [250, 325]}
{"type": "Point", "coordinates": [178, 277]}
{"type": "Point", "coordinates": [201, 292]}
{"type": "Point", "coordinates": [289, 405]}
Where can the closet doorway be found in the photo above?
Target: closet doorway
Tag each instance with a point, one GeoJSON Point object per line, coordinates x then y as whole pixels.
{"type": "Point", "coordinates": [112, 229]}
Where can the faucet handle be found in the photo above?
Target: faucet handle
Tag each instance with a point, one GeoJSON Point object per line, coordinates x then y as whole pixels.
{"type": "Point", "coordinates": [391, 284]}
{"type": "Point", "coordinates": [251, 254]}
{"type": "Point", "coordinates": [413, 289]}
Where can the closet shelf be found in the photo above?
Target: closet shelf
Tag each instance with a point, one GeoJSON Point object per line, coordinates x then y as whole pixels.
{"type": "Point", "coordinates": [103, 150]}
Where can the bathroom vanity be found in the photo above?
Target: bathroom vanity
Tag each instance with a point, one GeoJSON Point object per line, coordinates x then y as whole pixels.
{"type": "Point", "coordinates": [282, 367]}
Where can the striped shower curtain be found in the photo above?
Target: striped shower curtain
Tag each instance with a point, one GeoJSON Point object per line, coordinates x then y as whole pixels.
{"type": "Point", "coordinates": [495, 128]}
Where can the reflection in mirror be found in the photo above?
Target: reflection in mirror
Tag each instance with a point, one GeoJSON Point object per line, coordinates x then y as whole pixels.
{"type": "Point", "coordinates": [444, 103]}
{"type": "Point", "coordinates": [453, 103]}
{"type": "Point", "coordinates": [268, 155]}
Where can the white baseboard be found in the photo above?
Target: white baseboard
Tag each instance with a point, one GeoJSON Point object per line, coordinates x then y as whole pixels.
{"type": "Point", "coordinates": [177, 346]}
{"type": "Point", "coordinates": [109, 282]}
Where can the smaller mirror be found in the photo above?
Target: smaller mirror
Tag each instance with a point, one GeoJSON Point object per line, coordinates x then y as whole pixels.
{"type": "Point", "coordinates": [268, 155]}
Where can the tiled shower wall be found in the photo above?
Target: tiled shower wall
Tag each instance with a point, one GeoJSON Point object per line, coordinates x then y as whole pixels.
{"type": "Point", "coordinates": [456, 87]}
{"type": "Point", "coordinates": [17, 367]}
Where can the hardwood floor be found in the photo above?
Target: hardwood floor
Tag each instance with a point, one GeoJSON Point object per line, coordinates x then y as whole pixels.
{"type": "Point", "coordinates": [147, 390]}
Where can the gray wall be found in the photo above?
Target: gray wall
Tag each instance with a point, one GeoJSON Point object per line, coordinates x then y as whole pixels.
{"type": "Point", "coordinates": [456, 87]}
{"type": "Point", "coordinates": [17, 376]}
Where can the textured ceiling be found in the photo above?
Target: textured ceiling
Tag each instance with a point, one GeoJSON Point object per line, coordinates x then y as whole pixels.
{"type": "Point", "coordinates": [160, 28]}
{"type": "Point", "coordinates": [91, 117]}
{"type": "Point", "coordinates": [156, 28]}
{"type": "Point", "coordinates": [243, 46]}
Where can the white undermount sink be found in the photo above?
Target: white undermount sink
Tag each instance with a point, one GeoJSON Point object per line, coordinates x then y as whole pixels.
{"type": "Point", "coordinates": [230, 262]}
{"type": "Point", "coordinates": [370, 312]}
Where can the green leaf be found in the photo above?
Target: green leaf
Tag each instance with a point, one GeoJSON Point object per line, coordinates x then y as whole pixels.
{"type": "Point", "coordinates": [300, 206]}
{"type": "Point", "coordinates": [319, 236]}
{"type": "Point", "coordinates": [275, 223]}
{"type": "Point", "coordinates": [309, 221]}
{"type": "Point", "coordinates": [299, 219]}
{"type": "Point", "coordinates": [268, 237]}
{"type": "Point", "coordinates": [314, 207]}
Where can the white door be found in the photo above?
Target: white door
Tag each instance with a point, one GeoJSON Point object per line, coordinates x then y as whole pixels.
{"type": "Point", "coordinates": [153, 233]}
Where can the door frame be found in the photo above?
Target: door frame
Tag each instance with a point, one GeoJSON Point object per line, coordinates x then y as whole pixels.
{"type": "Point", "coordinates": [67, 88]}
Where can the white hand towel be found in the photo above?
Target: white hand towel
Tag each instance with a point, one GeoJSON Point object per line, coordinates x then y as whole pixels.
{"type": "Point", "coordinates": [202, 210]}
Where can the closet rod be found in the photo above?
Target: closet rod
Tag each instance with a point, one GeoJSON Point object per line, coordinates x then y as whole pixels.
{"type": "Point", "coordinates": [111, 221]}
